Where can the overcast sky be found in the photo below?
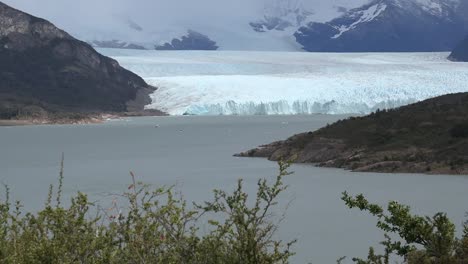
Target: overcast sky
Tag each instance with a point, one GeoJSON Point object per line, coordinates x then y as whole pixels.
{"type": "Point", "coordinates": [146, 11]}
{"type": "Point", "coordinates": [80, 16]}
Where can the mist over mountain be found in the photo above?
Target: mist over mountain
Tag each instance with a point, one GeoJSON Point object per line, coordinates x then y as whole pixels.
{"type": "Point", "coordinates": [152, 23]}
{"type": "Point", "coordinates": [284, 25]}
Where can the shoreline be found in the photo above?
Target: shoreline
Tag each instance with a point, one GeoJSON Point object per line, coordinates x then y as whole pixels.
{"type": "Point", "coordinates": [60, 121]}
{"type": "Point", "coordinates": [385, 167]}
{"type": "Point", "coordinates": [5, 123]}
{"type": "Point", "coordinates": [76, 118]}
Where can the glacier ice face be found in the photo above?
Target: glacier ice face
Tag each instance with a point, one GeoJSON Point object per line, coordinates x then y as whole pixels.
{"type": "Point", "coordinates": [259, 83]}
{"type": "Point", "coordinates": [256, 95]}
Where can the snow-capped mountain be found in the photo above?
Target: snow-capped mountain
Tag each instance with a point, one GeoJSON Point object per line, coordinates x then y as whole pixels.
{"type": "Point", "coordinates": [390, 25]}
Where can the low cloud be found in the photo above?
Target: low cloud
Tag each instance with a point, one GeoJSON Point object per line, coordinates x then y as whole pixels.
{"type": "Point", "coordinates": [80, 17]}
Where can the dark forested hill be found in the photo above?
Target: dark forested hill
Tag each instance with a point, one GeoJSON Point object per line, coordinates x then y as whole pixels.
{"type": "Point", "coordinates": [430, 136]}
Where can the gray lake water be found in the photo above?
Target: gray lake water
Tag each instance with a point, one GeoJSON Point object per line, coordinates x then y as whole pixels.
{"type": "Point", "coordinates": [196, 154]}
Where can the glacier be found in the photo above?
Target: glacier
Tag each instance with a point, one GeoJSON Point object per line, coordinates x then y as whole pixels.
{"type": "Point", "coordinates": [280, 83]}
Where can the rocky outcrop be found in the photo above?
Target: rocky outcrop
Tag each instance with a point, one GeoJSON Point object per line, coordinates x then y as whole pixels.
{"type": "Point", "coordinates": [43, 66]}
{"type": "Point", "coordinates": [426, 137]}
{"type": "Point", "coordinates": [192, 41]}
{"type": "Point", "coordinates": [460, 53]}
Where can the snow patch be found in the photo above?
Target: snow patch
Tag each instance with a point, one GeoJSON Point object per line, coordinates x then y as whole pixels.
{"type": "Point", "coordinates": [438, 7]}
{"type": "Point", "coordinates": [364, 16]}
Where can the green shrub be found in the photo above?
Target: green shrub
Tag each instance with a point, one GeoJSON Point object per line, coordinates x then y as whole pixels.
{"type": "Point", "coordinates": [156, 227]}
{"type": "Point", "coordinates": [421, 240]}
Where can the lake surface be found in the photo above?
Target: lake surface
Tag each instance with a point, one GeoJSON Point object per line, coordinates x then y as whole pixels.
{"type": "Point", "coordinates": [196, 154]}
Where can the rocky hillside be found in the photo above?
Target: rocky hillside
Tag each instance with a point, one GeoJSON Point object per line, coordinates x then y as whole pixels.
{"type": "Point", "coordinates": [426, 137]}
{"type": "Point", "coordinates": [45, 69]}
{"type": "Point", "coordinates": [460, 53]}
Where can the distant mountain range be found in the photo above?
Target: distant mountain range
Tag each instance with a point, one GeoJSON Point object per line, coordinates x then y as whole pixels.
{"type": "Point", "coordinates": [44, 69]}
{"type": "Point", "coordinates": [378, 25]}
